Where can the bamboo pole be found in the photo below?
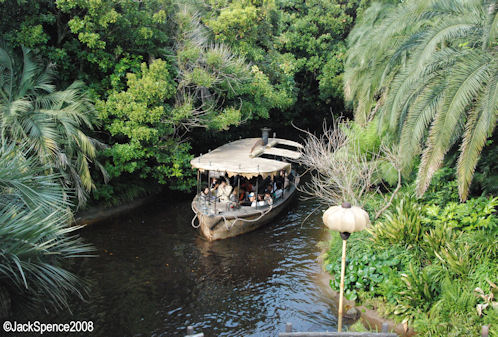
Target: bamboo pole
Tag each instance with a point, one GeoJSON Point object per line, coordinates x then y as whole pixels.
{"type": "Point", "coordinates": [257, 190]}
{"type": "Point", "coordinates": [198, 182]}
{"type": "Point", "coordinates": [238, 190]}
{"type": "Point", "coordinates": [341, 294]}
{"type": "Point", "coordinates": [209, 188]}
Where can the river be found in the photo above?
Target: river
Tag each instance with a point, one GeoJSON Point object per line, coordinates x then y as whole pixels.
{"type": "Point", "coordinates": [155, 275]}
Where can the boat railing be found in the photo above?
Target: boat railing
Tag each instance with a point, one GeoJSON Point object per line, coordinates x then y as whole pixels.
{"type": "Point", "coordinates": [212, 205]}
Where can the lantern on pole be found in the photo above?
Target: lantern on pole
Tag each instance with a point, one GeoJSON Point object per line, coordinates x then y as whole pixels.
{"type": "Point", "coordinates": [345, 219]}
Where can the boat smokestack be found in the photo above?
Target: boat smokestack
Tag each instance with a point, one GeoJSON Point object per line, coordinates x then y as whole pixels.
{"type": "Point", "coordinates": [265, 133]}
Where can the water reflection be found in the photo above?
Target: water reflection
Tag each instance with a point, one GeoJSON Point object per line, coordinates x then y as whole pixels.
{"type": "Point", "coordinates": [155, 276]}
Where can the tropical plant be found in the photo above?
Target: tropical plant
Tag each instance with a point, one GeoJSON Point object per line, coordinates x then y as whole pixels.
{"type": "Point", "coordinates": [368, 270]}
{"type": "Point", "coordinates": [145, 124]}
{"type": "Point", "coordinates": [49, 121]}
{"type": "Point", "coordinates": [35, 236]}
{"type": "Point", "coordinates": [475, 213]}
{"type": "Point", "coordinates": [402, 226]}
{"type": "Point", "coordinates": [428, 64]}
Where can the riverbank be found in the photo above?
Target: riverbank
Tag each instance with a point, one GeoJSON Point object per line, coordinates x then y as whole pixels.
{"type": "Point", "coordinates": [353, 311]}
{"type": "Point", "coordinates": [97, 214]}
{"type": "Point", "coordinates": [370, 319]}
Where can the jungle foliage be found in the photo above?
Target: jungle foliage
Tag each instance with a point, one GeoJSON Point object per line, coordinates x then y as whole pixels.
{"type": "Point", "coordinates": [428, 70]}
{"type": "Point", "coordinates": [91, 89]}
{"type": "Point", "coordinates": [47, 121]}
{"type": "Point", "coordinates": [428, 264]}
{"type": "Point", "coordinates": [221, 63]}
{"type": "Point", "coordinates": [36, 239]}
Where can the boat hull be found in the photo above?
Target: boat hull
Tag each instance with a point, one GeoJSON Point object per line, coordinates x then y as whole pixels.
{"type": "Point", "coordinates": [217, 227]}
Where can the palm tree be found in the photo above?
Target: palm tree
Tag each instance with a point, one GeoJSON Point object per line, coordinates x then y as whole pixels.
{"type": "Point", "coordinates": [428, 69]}
{"type": "Point", "coordinates": [34, 235]}
{"type": "Point", "coordinates": [49, 121]}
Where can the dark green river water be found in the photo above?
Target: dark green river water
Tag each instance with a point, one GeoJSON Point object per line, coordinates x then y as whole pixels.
{"type": "Point", "coordinates": [155, 275]}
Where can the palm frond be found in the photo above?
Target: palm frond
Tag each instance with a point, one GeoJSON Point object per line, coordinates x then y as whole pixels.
{"type": "Point", "coordinates": [430, 61]}
{"type": "Point", "coordinates": [51, 121]}
{"type": "Point", "coordinates": [480, 125]}
{"type": "Point", "coordinates": [463, 87]}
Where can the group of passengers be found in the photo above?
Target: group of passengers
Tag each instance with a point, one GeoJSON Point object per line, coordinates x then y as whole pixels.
{"type": "Point", "coordinates": [240, 191]}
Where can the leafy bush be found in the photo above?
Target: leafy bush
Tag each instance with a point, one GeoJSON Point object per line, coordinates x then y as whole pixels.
{"type": "Point", "coordinates": [443, 187]}
{"type": "Point", "coordinates": [477, 213]}
{"type": "Point", "coordinates": [366, 268]}
{"type": "Point", "coordinates": [418, 291]}
{"type": "Point", "coordinates": [486, 175]}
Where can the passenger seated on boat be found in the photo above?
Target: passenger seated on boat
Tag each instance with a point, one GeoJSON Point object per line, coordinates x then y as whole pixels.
{"type": "Point", "coordinates": [269, 189]}
{"type": "Point", "coordinates": [268, 199]}
{"type": "Point", "coordinates": [286, 181]}
{"type": "Point", "coordinates": [251, 197]}
{"type": "Point", "coordinates": [281, 177]}
{"type": "Point", "coordinates": [242, 194]}
{"type": "Point", "coordinates": [261, 185]}
{"type": "Point", "coordinates": [214, 184]}
{"type": "Point", "coordinates": [247, 186]}
{"type": "Point", "coordinates": [278, 191]}
{"type": "Point", "coordinates": [260, 202]}
{"type": "Point", "coordinates": [291, 176]}
{"type": "Point", "coordinates": [234, 198]}
{"type": "Point", "coordinates": [233, 180]}
{"type": "Point", "coordinates": [267, 182]}
{"type": "Point", "coordinates": [224, 191]}
{"type": "Point", "coordinates": [204, 194]}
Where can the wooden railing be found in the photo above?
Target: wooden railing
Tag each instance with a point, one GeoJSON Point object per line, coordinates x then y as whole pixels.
{"type": "Point", "coordinates": [288, 333]}
{"type": "Point", "coordinates": [190, 332]}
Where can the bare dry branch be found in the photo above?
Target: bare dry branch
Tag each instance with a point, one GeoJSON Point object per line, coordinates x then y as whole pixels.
{"type": "Point", "coordinates": [339, 170]}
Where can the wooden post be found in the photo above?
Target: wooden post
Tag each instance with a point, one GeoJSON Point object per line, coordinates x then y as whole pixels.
{"type": "Point", "coordinates": [288, 327]}
{"type": "Point", "coordinates": [209, 188]}
{"type": "Point", "coordinates": [190, 330]}
{"type": "Point", "coordinates": [198, 182]}
{"type": "Point", "coordinates": [257, 189]}
{"type": "Point", "coordinates": [385, 327]}
{"type": "Point", "coordinates": [215, 200]}
{"type": "Point", "coordinates": [485, 331]}
{"type": "Point", "coordinates": [341, 294]}
{"type": "Point", "coordinates": [238, 190]}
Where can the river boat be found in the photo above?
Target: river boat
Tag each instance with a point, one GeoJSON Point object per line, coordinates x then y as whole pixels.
{"type": "Point", "coordinates": [260, 159]}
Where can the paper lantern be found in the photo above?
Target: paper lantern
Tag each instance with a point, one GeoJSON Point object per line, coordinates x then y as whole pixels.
{"type": "Point", "coordinates": [346, 219]}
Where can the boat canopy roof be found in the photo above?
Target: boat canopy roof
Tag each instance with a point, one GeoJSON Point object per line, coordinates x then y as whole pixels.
{"type": "Point", "coordinates": [243, 157]}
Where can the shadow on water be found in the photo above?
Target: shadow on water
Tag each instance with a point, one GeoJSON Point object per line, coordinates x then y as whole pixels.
{"type": "Point", "coordinates": [155, 275]}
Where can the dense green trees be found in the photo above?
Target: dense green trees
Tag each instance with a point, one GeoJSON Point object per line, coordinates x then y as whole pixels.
{"type": "Point", "coordinates": [225, 62]}
{"type": "Point", "coordinates": [233, 61]}
{"type": "Point", "coordinates": [314, 33]}
{"type": "Point", "coordinates": [428, 65]}
{"type": "Point", "coordinates": [299, 44]}
{"type": "Point", "coordinates": [94, 41]}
